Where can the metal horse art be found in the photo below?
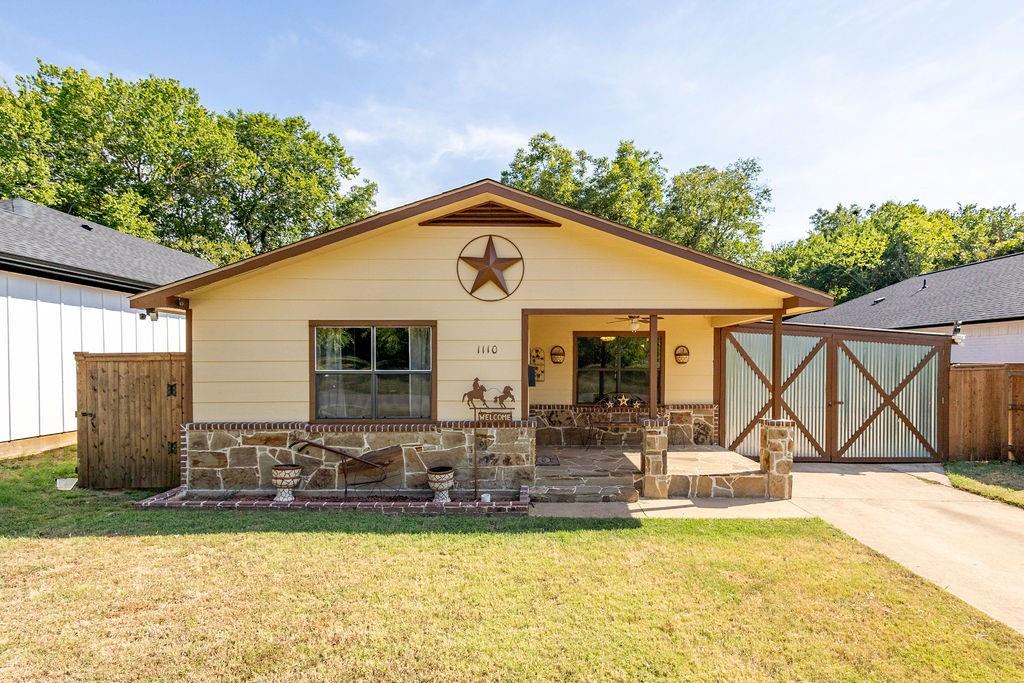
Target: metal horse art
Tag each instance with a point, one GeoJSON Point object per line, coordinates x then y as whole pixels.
{"type": "Point", "coordinates": [475, 394]}
{"type": "Point", "coordinates": [506, 395]}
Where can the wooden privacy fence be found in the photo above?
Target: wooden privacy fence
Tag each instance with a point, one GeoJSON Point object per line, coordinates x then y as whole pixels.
{"type": "Point", "coordinates": [130, 409]}
{"type": "Point", "coordinates": [986, 417]}
{"type": "Point", "coordinates": [855, 395]}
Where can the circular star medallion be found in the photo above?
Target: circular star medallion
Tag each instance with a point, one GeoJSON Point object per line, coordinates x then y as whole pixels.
{"type": "Point", "coordinates": [490, 268]}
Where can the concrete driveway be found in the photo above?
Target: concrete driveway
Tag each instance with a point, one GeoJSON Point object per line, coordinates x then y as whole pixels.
{"type": "Point", "coordinates": [968, 545]}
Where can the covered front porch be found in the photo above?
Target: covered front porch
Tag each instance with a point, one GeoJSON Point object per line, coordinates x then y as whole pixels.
{"type": "Point", "coordinates": [616, 421]}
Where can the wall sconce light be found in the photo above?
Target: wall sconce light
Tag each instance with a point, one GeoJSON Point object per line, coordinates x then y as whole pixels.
{"type": "Point", "coordinates": [958, 334]}
{"type": "Point", "coordinates": [557, 355]}
{"type": "Point", "coordinates": [682, 355]}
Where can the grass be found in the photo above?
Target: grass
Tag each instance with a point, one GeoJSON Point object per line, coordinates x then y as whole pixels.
{"type": "Point", "coordinates": [1003, 481]}
{"type": "Point", "coordinates": [93, 590]}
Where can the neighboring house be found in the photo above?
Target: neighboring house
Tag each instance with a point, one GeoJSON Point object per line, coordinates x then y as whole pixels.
{"type": "Point", "coordinates": [987, 296]}
{"type": "Point", "coordinates": [482, 320]}
{"type": "Point", "coordinates": [64, 287]}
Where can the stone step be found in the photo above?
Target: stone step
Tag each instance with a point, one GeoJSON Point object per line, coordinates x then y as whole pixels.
{"type": "Point", "coordinates": [600, 481]}
{"type": "Point", "coordinates": [584, 494]}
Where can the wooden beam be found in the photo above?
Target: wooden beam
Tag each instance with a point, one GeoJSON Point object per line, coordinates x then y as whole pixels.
{"type": "Point", "coordinates": [777, 364]}
{"type": "Point", "coordinates": [652, 364]}
{"type": "Point", "coordinates": [524, 334]}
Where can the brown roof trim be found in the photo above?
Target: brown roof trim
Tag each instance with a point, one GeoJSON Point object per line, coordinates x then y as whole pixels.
{"type": "Point", "coordinates": [165, 296]}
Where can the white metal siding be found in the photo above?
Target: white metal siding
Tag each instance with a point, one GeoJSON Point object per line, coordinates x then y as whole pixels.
{"type": "Point", "coordinates": [1001, 342]}
{"type": "Point", "coordinates": [42, 323]}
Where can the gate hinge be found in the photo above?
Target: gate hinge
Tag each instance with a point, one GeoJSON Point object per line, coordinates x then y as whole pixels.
{"type": "Point", "coordinates": [172, 389]}
{"type": "Point", "coordinates": [172, 447]}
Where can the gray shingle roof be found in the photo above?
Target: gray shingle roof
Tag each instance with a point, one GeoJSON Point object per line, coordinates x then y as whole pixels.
{"type": "Point", "coordinates": [986, 290]}
{"type": "Point", "coordinates": [46, 240]}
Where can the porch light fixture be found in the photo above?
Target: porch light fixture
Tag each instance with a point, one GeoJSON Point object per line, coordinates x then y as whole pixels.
{"type": "Point", "coordinates": [607, 339]}
{"type": "Point", "coordinates": [958, 335]}
{"type": "Point", "coordinates": [557, 355]}
{"type": "Point", "coordinates": [634, 323]}
{"type": "Point", "coordinates": [682, 355]}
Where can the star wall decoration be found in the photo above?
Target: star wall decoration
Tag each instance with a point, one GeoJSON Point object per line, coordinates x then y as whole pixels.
{"type": "Point", "coordinates": [489, 268]}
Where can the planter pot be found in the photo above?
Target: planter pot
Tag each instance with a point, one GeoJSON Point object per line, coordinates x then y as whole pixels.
{"type": "Point", "coordinates": [440, 480]}
{"type": "Point", "coordinates": [285, 478]}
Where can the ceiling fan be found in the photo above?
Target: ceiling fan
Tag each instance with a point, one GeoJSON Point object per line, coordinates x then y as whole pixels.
{"type": "Point", "coordinates": [634, 321]}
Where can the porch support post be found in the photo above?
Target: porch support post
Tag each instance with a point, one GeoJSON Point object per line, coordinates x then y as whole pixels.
{"type": "Point", "coordinates": [652, 359]}
{"type": "Point", "coordinates": [777, 364]}
{"type": "Point", "coordinates": [524, 346]}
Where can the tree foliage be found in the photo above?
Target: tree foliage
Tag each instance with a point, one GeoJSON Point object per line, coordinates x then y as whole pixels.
{"type": "Point", "coordinates": [718, 211]}
{"type": "Point", "coordinates": [146, 157]}
{"type": "Point", "coordinates": [851, 251]}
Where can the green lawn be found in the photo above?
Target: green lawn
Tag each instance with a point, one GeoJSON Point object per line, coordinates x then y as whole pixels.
{"type": "Point", "coordinates": [94, 590]}
{"type": "Point", "coordinates": [1002, 481]}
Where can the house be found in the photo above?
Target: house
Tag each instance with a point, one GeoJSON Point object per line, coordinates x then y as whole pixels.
{"type": "Point", "coordinates": [461, 330]}
{"type": "Point", "coordinates": [64, 287]}
{"type": "Point", "coordinates": [986, 297]}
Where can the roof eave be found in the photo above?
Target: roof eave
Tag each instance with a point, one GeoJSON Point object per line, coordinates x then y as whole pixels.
{"type": "Point", "coordinates": [56, 271]}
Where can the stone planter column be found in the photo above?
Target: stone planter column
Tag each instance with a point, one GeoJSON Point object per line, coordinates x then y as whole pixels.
{"type": "Point", "coordinates": [654, 459]}
{"type": "Point", "coordinates": [776, 455]}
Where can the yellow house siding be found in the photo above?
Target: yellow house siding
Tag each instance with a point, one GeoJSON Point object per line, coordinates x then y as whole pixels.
{"type": "Point", "coordinates": [250, 333]}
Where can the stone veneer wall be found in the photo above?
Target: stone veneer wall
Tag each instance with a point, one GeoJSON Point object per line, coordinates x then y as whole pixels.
{"type": "Point", "coordinates": [238, 457]}
{"type": "Point", "coordinates": [772, 479]}
{"type": "Point", "coordinates": [567, 425]}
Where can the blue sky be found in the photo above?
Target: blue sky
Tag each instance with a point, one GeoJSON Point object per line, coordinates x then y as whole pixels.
{"type": "Point", "coordinates": [842, 102]}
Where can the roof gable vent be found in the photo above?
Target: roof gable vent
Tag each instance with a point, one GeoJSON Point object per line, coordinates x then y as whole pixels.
{"type": "Point", "coordinates": [491, 214]}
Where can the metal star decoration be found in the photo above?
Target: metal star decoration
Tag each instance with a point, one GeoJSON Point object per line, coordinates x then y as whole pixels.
{"type": "Point", "coordinates": [623, 400]}
{"type": "Point", "coordinates": [490, 268]}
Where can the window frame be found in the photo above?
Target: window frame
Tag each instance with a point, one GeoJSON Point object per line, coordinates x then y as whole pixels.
{"type": "Point", "coordinates": [616, 333]}
{"type": "Point", "coordinates": [373, 372]}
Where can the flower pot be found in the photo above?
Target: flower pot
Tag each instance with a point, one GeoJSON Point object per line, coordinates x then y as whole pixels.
{"type": "Point", "coordinates": [440, 479]}
{"type": "Point", "coordinates": [285, 478]}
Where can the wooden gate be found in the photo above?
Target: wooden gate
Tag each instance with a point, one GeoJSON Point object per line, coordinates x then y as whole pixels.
{"type": "Point", "coordinates": [986, 415]}
{"type": "Point", "coordinates": [855, 395]}
{"type": "Point", "coordinates": [1017, 414]}
{"type": "Point", "coordinates": [130, 409]}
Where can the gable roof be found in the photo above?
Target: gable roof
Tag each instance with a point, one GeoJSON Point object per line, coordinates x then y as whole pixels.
{"type": "Point", "coordinates": [487, 188]}
{"type": "Point", "coordinates": [38, 240]}
{"type": "Point", "coordinates": [987, 290]}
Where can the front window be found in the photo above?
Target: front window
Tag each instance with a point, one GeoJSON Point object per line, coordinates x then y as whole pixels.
{"type": "Point", "coordinates": [610, 365]}
{"type": "Point", "coordinates": [373, 372]}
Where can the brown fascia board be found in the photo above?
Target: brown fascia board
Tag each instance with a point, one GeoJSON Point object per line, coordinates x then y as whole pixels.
{"type": "Point", "coordinates": [160, 296]}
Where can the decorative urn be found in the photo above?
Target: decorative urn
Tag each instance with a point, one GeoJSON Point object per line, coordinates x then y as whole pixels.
{"type": "Point", "coordinates": [441, 479]}
{"type": "Point", "coordinates": [285, 478]}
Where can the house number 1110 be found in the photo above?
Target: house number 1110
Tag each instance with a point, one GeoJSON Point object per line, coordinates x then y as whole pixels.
{"type": "Point", "coordinates": [486, 349]}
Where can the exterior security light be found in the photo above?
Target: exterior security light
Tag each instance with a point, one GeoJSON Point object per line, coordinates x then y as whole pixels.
{"type": "Point", "coordinates": [958, 334]}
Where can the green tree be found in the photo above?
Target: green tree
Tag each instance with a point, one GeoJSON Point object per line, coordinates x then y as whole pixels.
{"type": "Point", "coordinates": [851, 251]}
{"type": "Point", "coordinates": [550, 170]}
{"type": "Point", "coordinates": [146, 157]}
{"type": "Point", "coordinates": [718, 211]}
{"type": "Point", "coordinates": [287, 183]}
{"type": "Point", "coordinates": [628, 188]}
{"type": "Point", "coordinates": [24, 169]}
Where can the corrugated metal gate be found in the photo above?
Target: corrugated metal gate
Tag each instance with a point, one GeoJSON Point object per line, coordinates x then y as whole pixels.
{"type": "Point", "coordinates": [855, 395]}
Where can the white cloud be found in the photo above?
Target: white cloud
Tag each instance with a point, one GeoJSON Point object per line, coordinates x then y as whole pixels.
{"type": "Point", "coordinates": [412, 153]}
